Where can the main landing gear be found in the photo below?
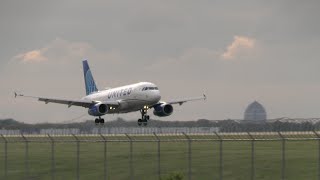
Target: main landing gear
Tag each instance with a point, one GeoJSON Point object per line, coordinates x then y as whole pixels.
{"type": "Point", "coordinates": [144, 117]}
{"type": "Point", "coordinates": [99, 120]}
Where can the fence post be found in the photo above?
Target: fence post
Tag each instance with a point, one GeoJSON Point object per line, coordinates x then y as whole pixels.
{"type": "Point", "coordinates": [252, 156]}
{"type": "Point", "coordinates": [221, 155]}
{"type": "Point", "coordinates": [283, 169]}
{"type": "Point", "coordinates": [53, 168]}
{"type": "Point", "coordinates": [159, 167]}
{"type": "Point", "coordinates": [318, 135]}
{"type": "Point", "coordinates": [130, 158]}
{"type": "Point", "coordinates": [189, 156]}
{"type": "Point", "coordinates": [78, 156]}
{"type": "Point", "coordinates": [5, 156]}
{"type": "Point", "coordinates": [26, 156]}
{"type": "Point", "coordinates": [105, 156]}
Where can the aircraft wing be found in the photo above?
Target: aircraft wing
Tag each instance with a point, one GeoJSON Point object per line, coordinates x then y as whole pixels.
{"type": "Point", "coordinates": [181, 101]}
{"type": "Point", "coordinates": [83, 103]}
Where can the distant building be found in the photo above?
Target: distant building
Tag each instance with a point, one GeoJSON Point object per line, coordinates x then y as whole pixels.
{"type": "Point", "coordinates": [255, 112]}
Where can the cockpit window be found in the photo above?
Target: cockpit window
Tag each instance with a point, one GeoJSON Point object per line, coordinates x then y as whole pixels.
{"type": "Point", "coordinates": [149, 88]}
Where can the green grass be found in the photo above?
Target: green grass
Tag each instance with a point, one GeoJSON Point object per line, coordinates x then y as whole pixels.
{"type": "Point", "coordinates": [301, 160]}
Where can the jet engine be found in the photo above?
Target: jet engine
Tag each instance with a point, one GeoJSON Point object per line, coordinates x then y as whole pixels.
{"type": "Point", "coordinates": [163, 110]}
{"type": "Point", "coordinates": [98, 109]}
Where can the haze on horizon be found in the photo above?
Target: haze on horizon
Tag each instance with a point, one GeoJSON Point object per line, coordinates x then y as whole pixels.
{"type": "Point", "coordinates": [233, 51]}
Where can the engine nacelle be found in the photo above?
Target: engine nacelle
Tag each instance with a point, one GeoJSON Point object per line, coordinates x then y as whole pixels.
{"type": "Point", "coordinates": [163, 110]}
{"type": "Point", "coordinates": [98, 110]}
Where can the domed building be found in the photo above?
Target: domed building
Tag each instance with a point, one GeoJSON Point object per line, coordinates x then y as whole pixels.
{"type": "Point", "coordinates": [255, 112]}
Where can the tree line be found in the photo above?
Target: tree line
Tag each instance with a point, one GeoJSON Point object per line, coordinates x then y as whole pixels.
{"type": "Point", "coordinates": [223, 125]}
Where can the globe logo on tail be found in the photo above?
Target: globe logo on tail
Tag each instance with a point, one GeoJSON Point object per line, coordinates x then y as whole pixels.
{"type": "Point", "coordinates": [90, 84]}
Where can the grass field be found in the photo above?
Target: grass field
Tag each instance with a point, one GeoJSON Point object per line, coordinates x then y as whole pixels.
{"type": "Point", "coordinates": [301, 160]}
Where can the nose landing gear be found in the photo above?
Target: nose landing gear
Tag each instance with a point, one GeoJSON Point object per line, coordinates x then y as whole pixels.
{"type": "Point", "coordinates": [144, 117]}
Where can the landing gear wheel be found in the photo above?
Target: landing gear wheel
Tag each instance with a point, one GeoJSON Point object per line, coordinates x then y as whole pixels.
{"type": "Point", "coordinates": [102, 121]}
{"type": "Point", "coordinates": [139, 122]}
{"type": "Point", "coordinates": [99, 121]}
{"type": "Point", "coordinates": [145, 122]}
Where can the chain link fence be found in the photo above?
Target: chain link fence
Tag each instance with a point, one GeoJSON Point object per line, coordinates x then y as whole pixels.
{"type": "Point", "coordinates": [267, 155]}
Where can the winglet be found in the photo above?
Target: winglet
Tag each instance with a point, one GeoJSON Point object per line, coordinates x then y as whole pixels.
{"type": "Point", "coordinates": [16, 94]}
{"type": "Point", "coordinates": [204, 97]}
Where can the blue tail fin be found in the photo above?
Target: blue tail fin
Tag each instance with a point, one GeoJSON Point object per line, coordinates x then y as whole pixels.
{"type": "Point", "coordinates": [88, 79]}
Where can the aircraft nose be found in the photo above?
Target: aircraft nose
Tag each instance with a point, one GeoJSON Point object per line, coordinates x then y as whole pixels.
{"type": "Point", "coordinates": [157, 96]}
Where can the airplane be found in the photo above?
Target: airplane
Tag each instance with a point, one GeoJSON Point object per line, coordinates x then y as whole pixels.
{"type": "Point", "coordinates": [141, 97]}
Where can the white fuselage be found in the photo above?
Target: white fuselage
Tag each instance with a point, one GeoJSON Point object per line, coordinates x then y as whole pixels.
{"type": "Point", "coordinates": [130, 98]}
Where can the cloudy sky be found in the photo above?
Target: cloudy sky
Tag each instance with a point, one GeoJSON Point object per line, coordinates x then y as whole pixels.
{"type": "Point", "coordinates": [234, 51]}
